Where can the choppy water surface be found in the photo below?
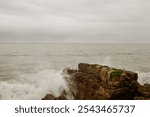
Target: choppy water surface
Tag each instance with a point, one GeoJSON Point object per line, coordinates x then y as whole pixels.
{"type": "Point", "coordinates": [29, 71]}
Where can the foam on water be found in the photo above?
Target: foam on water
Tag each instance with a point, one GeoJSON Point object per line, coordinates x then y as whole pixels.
{"type": "Point", "coordinates": [144, 77]}
{"type": "Point", "coordinates": [37, 85]}
{"type": "Point", "coordinates": [33, 86]}
{"type": "Point", "coordinates": [21, 64]}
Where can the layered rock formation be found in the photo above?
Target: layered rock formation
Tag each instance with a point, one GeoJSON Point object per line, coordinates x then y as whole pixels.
{"type": "Point", "coordinates": [97, 82]}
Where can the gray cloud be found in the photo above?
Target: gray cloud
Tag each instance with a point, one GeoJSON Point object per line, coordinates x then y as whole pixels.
{"type": "Point", "coordinates": [74, 21]}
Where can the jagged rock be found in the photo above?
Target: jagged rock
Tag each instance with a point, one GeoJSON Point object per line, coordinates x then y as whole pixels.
{"type": "Point", "coordinates": [97, 82]}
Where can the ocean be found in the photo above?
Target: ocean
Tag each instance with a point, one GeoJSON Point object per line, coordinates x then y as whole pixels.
{"type": "Point", "coordinates": [30, 71]}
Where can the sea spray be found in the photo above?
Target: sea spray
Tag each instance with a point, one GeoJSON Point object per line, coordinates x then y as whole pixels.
{"type": "Point", "coordinates": [26, 70]}
{"type": "Point", "coordinates": [144, 77]}
{"type": "Point", "coordinates": [33, 86]}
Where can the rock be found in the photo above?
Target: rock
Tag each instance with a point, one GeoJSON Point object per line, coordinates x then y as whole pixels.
{"type": "Point", "coordinates": [51, 97]}
{"type": "Point", "coordinates": [146, 84]}
{"type": "Point", "coordinates": [69, 71]}
{"type": "Point", "coordinates": [89, 68]}
{"type": "Point", "coordinates": [92, 81]}
{"type": "Point", "coordinates": [97, 82]}
{"type": "Point", "coordinates": [131, 75]}
{"type": "Point", "coordinates": [48, 97]}
{"type": "Point", "coordinates": [143, 88]}
{"type": "Point", "coordinates": [143, 91]}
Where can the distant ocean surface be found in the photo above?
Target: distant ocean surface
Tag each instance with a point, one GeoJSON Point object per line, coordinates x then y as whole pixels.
{"type": "Point", "coordinates": [29, 71]}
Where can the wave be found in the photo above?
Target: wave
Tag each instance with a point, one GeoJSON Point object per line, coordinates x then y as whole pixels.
{"type": "Point", "coordinates": [33, 86]}
{"type": "Point", "coordinates": [37, 85]}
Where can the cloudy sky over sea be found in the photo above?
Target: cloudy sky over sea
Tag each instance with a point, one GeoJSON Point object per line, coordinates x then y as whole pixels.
{"type": "Point", "coordinates": [75, 21]}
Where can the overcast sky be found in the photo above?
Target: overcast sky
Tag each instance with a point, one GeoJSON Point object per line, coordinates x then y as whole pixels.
{"type": "Point", "coordinates": [75, 21]}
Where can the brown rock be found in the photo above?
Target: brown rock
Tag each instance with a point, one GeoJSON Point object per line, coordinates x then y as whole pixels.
{"type": "Point", "coordinates": [96, 82]}
{"type": "Point", "coordinates": [131, 75]}
{"type": "Point", "coordinates": [143, 88]}
{"type": "Point", "coordinates": [89, 68]}
{"type": "Point", "coordinates": [48, 97]}
{"type": "Point", "coordinates": [51, 97]}
{"type": "Point", "coordinates": [70, 71]}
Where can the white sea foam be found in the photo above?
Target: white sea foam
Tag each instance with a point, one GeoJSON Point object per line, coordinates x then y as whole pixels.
{"type": "Point", "coordinates": [144, 77]}
{"type": "Point", "coordinates": [33, 86]}
{"type": "Point", "coordinates": [37, 85]}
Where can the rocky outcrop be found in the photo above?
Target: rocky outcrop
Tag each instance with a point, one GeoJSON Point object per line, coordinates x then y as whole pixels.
{"type": "Point", "coordinates": [97, 82]}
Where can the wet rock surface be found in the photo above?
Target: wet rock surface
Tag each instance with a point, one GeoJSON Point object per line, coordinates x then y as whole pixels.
{"type": "Point", "coordinates": [97, 82]}
{"type": "Point", "coordinates": [52, 97]}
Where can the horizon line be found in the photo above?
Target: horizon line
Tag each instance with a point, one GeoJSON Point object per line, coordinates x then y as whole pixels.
{"type": "Point", "coordinates": [73, 43]}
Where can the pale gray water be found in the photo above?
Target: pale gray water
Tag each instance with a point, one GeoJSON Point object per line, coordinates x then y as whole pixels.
{"type": "Point", "coordinates": [29, 71]}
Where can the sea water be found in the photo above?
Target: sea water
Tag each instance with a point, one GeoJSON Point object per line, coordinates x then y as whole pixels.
{"type": "Point", "coordinates": [30, 71]}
